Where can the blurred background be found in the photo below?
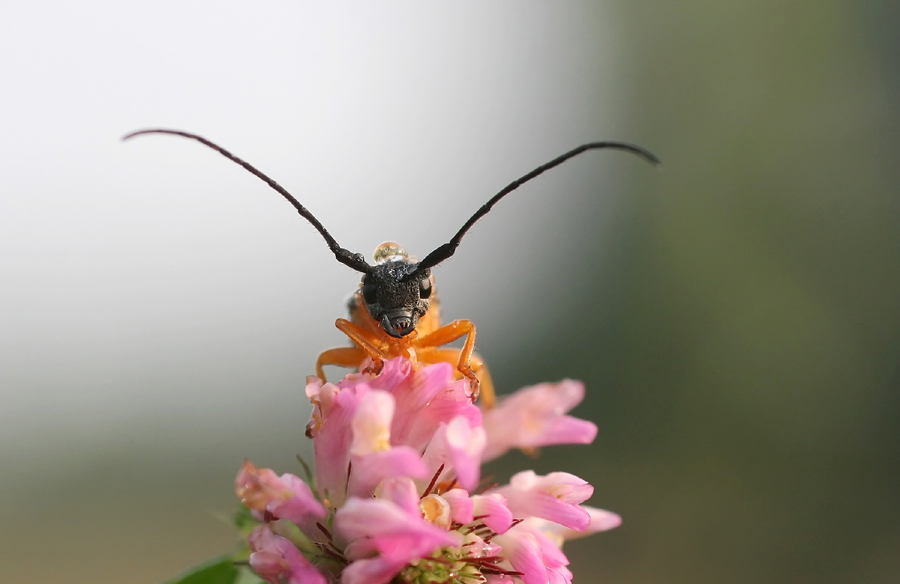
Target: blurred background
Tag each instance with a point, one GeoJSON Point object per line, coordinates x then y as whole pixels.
{"type": "Point", "coordinates": [734, 316]}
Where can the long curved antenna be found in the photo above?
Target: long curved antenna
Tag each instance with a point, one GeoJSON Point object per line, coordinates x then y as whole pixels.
{"type": "Point", "coordinates": [448, 249]}
{"type": "Point", "coordinates": [345, 256]}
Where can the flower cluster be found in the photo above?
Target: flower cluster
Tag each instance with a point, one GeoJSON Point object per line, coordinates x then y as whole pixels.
{"type": "Point", "coordinates": [396, 495]}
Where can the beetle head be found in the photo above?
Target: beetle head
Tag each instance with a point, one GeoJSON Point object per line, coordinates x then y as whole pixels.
{"type": "Point", "coordinates": [395, 291]}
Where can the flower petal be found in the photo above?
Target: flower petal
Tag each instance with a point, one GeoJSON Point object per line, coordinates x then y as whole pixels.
{"type": "Point", "coordinates": [402, 492]}
{"type": "Point", "coordinates": [554, 497]}
{"type": "Point", "coordinates": [535, 416]}
{"type": "Point", "coordinates": [371, 425]}
{"type": "Point", "coordinates": [531, 552]}
{"type": "Point", "coordinates": [371, 571]}
{"type": "Point", "coordinates": [368, 471]}
{"type": "Point", "coordinates": [601, 520]}
{"type": "Point", "coordinates": [457, 446]}
{"type": "Point", "coordinates": [256, 487]}
{"type": "Point", "coordinates": [493, 510]}
{"type": "Point", "coordinates": [333, 412]}
{"type": "Point", "coordinates": [436, 510]}
{"type": "Point", "coordinates": [276, 560]}
{"type": "Point", "coordinates": [427, 398]}
{"type": "Point", "coordinates": [284, 497]}
{"type": "Point", "coordinates": [297, 503]}
{"type": "Point", "coordinates": [461, 506]}
{"type": "Point", "coordinates": [378, 525]}
{"type": "Point", "coordinates": [523, 553]}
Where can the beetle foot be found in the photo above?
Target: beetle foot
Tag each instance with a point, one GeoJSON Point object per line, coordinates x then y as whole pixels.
{"type": "Point", "coordinates": [375, 368]}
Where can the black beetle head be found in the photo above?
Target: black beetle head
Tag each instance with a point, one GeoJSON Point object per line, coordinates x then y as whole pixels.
{"type": "Point", "coordinates": [396, 293]}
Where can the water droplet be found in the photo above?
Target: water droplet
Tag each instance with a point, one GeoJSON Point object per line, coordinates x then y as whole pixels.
{"type": "Point", "coordinates": [389, 251]}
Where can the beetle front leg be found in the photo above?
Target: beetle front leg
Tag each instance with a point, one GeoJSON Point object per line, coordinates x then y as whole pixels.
{"type": "Point", "coordinates": [449, 333]}
{"type": "Point", "coordinates": [368, 343]}
{"type": "Point", "coordinates": [340, 356]}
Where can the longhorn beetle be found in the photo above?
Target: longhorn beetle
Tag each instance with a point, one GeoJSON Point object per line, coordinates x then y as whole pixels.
{"type": "Point", "coordinates": [395, 313]}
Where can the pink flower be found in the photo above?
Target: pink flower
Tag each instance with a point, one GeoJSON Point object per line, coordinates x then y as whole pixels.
{"type": "Point", "coordinates": [276, 560]}
{"type": "Point", "coordinates": [555, 497]}
{"type": "Point", "coordinates": [284, 497]}
{"type": "Point", "coordinates": [535, 417]}
{"type": "Point", "coordinates": [397, 463]}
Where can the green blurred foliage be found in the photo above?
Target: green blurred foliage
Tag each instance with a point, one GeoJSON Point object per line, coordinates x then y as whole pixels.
{"type": "Point", "coordinates": [218, 571]}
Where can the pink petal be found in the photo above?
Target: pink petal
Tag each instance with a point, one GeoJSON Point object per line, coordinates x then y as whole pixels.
{"type": "Point", "coordinates": [371, 571]}
{"type": "Point", "coordinates": [494, 511]}
{"type": "Point", "coordinates": [285, 497]}
{"type": "Point", "coordinates": [297, 503]}
{"type": "Point", "coordinates": [529, 551]}
{"type": "Point", "coordinates": [402, 492]}
{"type": "Point", "coordinates": [395, 372]}
{"type": "Point", "coordinates": [427, 398]}
{"type": "Point", "coordinates": [554, 497]}
{"type": "Point", "coordinates": [457, 447]}
{"type": "Point", "coordinates": [560, 575]}
{"type": "Point", "coordinates": [523, 553]}
{"type": "Point", "coordinates": [335, 408]}
{"type": "Point", "coordinates": [535, 417]}
{"type": "Point", "coordinates": [275, 559]}
{"type": "Point", "coordinates": [562, 485]}
{"type": "Point", "coordinates": [256, 487]}
{"type": "Point", "coordinates": [371, 425]}
{"type": "Point", "coordinates": [382, 526]}
{"type": "Point", "coordinates": [601, 520]}
{"type": "Point", "coordinates": [465, 444]}
{"type": "Point", "coordinates": [368, 471]}
{"type": "Point", "coordinates": [477, 547]}
{"type": "Point", "coordinates": [461, 506]}
{"type": "Point", "coordinates": [551, 553]}
{"type": "Point", "coordinates": [436, 510]}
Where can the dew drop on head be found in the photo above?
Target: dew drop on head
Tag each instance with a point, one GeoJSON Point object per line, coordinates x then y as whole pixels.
{"type": "Point", "coordinates": [389, 251]}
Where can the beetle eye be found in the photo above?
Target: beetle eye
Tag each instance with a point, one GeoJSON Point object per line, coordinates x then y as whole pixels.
{"type": "Point", "coordinates": [425, 288]}
{"type": "Point", "coordinates": [370, 293]}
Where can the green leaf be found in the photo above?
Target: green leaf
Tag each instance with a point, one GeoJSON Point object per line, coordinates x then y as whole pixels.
{"type": "Point", "coordinates": [221, 570]}
{"type": "Point", "coordinates": [243, 519]}
{"type": "Point", "coordinates": [248, 576]}
{"type": "Point", "coordinates": [307, 472]}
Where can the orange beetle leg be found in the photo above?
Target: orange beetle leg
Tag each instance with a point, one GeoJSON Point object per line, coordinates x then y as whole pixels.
{"type": "Point", "coordinates": [341, 356]}
{"type": "Point", "coordinates": [368, 342]}
{"type": "Point", "coordinates": [488, 397]}
{"type": "Point", "coordinates": [448, 334]}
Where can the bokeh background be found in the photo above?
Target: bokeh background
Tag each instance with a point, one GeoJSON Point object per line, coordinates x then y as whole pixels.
{"type": "Point", "coordinates": [735, 316]}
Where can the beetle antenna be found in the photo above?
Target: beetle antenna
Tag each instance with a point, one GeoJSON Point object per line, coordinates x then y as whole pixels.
{"type": "Point", "coordinates": [448, 249]}
{"type": "Point", "coordinates": [345, 256]}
